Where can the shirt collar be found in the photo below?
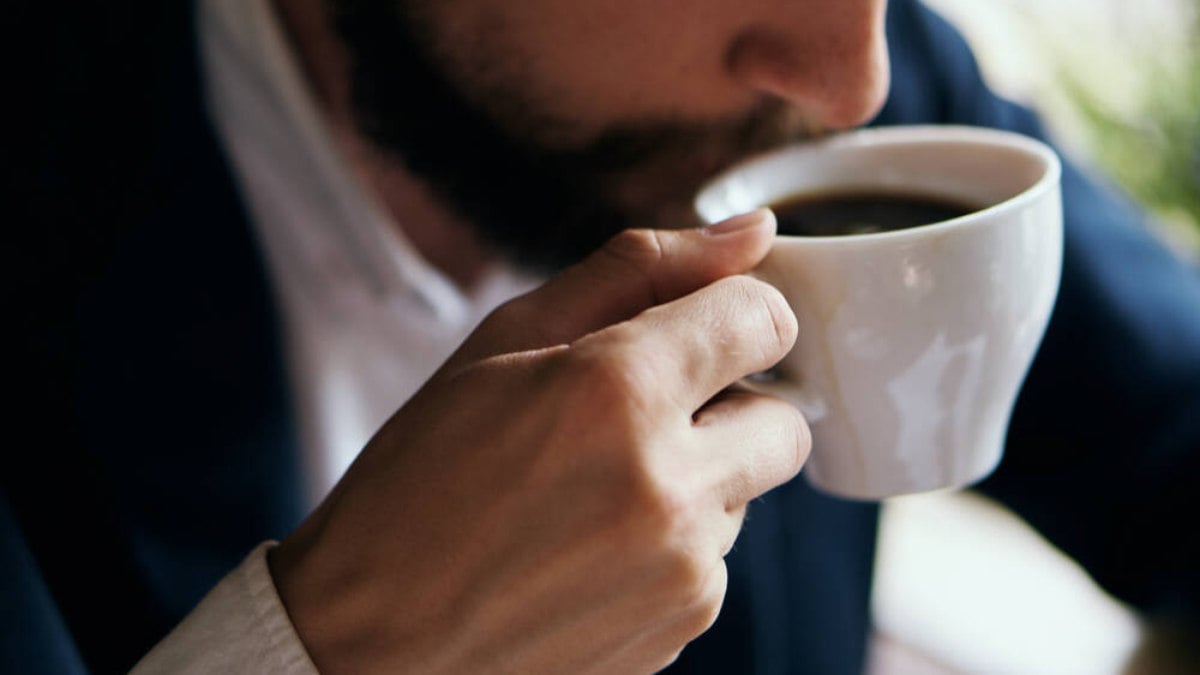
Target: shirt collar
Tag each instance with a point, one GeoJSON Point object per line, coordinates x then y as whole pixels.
{"type": "Point", "coordinates": [297, 182]}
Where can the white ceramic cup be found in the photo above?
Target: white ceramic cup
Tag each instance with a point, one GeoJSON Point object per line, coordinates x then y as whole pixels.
{"type": "Point", "coordinates": [913, 343]}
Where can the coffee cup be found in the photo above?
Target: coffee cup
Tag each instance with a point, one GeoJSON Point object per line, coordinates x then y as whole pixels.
{"type": "Point", "coordinates": [914, 340]}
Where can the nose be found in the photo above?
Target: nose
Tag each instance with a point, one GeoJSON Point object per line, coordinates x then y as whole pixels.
{"type": "Point", "coordinates": [826, 57]}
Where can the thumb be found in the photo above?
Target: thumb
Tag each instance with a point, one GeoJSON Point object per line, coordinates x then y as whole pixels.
{"type": "Point", "coordinates": [635, 270]}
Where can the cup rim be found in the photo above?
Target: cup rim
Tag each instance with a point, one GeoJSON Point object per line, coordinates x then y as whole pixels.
{"type": "Point", "coordinates": [906, 135]}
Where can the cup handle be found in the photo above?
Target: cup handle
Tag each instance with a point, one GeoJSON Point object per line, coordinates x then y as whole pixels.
{"type": "Point", "coordinates": [791, 387]}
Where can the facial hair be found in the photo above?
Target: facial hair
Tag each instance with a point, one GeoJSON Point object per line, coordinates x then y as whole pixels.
{"type": "Point", "coordinates": [543, 207]}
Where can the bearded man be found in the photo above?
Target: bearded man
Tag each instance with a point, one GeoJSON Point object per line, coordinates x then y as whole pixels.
{"type": "Point", "coordinates": [456, 236]}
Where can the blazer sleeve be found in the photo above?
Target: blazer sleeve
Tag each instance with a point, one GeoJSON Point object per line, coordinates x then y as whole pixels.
{"type": "Point", "coordinates": [33, 635]}
{"type": "Point", "coordinates": [1103, 451]}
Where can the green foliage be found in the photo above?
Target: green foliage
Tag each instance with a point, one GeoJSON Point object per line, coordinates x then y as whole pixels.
{"type": "Point", "coordinates": [1152, 149]}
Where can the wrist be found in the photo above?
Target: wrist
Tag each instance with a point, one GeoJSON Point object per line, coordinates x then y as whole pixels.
{"type": "Point", "coordinates": [345, 621]}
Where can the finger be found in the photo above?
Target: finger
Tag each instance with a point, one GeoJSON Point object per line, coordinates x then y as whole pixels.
{"type": "Point", "coordinates": [688, 350]}
{"type": "Point", "coordinates": [635, 270]}
{"type": "Point", "coordinates": [752, 443]}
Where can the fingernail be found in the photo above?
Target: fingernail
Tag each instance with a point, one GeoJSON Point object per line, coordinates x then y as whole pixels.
{"type": "Point", "coordinates": [745, 221]}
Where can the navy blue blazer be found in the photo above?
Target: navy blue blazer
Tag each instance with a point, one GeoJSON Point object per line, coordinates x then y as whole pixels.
{"type": "Point", "coordinates": [154, 443]}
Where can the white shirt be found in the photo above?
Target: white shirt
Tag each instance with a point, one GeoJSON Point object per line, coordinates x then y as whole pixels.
{"type": "Point", "coordinates": [367, 319]}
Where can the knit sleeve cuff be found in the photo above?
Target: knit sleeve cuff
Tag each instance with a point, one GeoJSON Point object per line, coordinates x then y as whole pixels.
{"type": "Point", "coordinates": [239, 627]}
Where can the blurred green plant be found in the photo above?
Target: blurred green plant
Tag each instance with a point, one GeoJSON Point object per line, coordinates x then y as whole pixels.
{"type": "Point", "coordinates": [1152, 147]}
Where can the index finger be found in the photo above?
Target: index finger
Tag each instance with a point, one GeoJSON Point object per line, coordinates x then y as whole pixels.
{"type": "Point", "coordinates": [635, 270]}
{"type": "Point", "coordinates": [699, 344]}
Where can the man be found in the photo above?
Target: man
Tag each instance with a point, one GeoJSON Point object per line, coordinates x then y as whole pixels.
{"type": "Point", "coordinates": [242, 238]}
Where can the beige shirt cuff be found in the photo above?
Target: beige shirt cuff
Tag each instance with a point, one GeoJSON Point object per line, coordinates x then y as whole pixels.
{"type": "Point", "coordinates": [239, 627]}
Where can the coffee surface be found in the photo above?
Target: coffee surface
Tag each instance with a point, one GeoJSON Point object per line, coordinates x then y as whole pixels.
{"type": "Point", "coordinates": [828, 214]}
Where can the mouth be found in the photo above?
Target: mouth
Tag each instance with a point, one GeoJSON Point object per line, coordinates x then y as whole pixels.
{"type": "Point", "coordinates": [659, 183]}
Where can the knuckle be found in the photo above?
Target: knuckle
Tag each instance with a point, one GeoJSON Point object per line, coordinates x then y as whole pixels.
{"type": "Point", "coordinates": [770, 309]}
{"type": "Point", "coordinates": [707, 601]}
{"type": "Point", "coordinates": [688, 575]}
{"type": "Point", "coordinates": [706, 615]}
{"type": "Point", "coordinates": [640, 249]}
{"type": "Point", "coordinates": [664, 502]}
{"type": "Point", "coordinates": [790, 445]}
{"type": "Point", "coordinates": [669, 659]}
{"type": "Point", "coordinates": [614, 372]}
{"type": "Point", "coordinates": [783, 320]}
{"type": "Point", "coordinates": [667, 525]}
{"type": "Point", "coordinates": [686, 563]}
{"type": "Point", "coordinates": [763, 317]}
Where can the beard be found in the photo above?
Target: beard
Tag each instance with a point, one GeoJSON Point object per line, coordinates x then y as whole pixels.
{"type": "Point", "coordinates": [543, 206]}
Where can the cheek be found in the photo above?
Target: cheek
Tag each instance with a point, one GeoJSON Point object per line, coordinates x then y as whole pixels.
{"type": "Point", "coordinates": [706, 59]}
{"type": "Point", "coordinates": [559, 72]}
{"type": "Point", "coordinates": [656, 60]}
{"type": "Point", "coordinates": [585, 65]}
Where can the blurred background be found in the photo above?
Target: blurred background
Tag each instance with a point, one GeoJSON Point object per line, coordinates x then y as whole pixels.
{"type": "Point", "coordinates": [962, 585]}
{"type": "Point", "coordinates": [1117, 81]}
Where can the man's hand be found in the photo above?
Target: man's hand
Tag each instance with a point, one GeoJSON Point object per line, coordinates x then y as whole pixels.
{"type": "Point", "coordinates": [560, 495]}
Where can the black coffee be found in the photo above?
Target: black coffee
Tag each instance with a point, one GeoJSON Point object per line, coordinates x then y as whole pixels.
{"type": "Point", "coordinates": [827, 214]}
